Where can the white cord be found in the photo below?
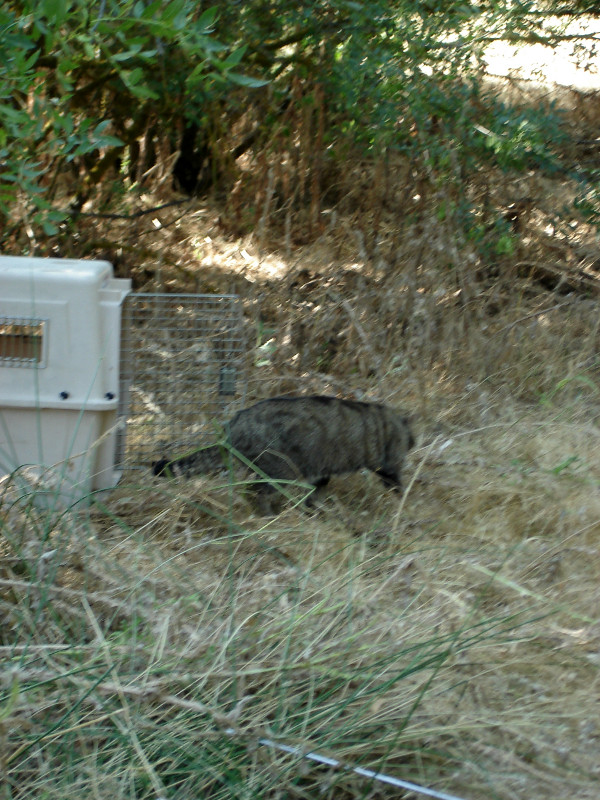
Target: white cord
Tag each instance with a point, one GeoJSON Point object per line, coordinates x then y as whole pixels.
{"type": "Point", "coordinates": [366, 773]}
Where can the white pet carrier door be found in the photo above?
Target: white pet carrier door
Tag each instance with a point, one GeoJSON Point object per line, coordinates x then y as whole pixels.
{"type": "Point", "coordinates": [183, 367]}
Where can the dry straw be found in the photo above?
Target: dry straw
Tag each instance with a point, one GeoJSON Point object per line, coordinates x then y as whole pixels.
{"type": "Point", "coordinates": [451, 636]}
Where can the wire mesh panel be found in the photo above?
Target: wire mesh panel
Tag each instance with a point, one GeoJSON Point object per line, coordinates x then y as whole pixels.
{"type": "Point", "coordinates": [182, 370]}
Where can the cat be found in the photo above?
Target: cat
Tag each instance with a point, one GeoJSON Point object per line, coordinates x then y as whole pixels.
{"type": "Point", "coordinates": [307, 438]}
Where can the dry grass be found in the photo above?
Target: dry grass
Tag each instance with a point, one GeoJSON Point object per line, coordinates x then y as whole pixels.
{"type": "Point", "coordinates": [450, 637]}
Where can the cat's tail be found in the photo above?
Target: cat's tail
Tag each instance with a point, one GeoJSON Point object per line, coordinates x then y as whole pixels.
{"type": "Point", "coordinates": [205, 459]}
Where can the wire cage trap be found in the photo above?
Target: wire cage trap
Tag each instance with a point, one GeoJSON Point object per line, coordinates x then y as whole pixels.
{"type": "Point", "coordinates": [182, 367]}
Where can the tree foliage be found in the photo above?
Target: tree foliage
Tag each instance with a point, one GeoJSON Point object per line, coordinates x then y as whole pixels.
{"type": "Point", "coordinates": [81, 81]}
{"type": "Point", "coordinates": [98, 90]}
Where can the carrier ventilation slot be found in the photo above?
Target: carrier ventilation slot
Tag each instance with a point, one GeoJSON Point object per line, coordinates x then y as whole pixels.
{"type": "Point", "coordinates": [21, 342]}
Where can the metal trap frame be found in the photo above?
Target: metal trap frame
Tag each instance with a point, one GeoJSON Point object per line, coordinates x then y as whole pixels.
{"type": "Point", "coordinates": [182, 371]}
